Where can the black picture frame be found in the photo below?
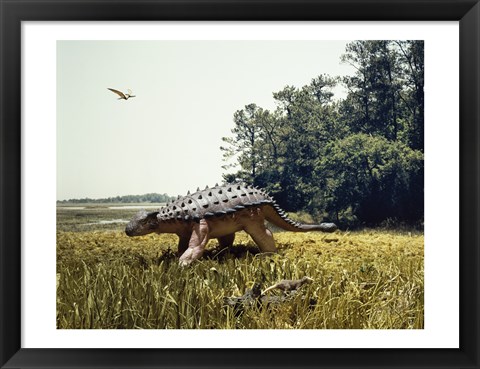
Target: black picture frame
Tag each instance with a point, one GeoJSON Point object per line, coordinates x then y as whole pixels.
{"type": "Point", "coordinates": [12, 13]}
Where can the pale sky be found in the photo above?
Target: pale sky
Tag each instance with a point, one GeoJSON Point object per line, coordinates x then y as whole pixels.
{"type": "Point", "coordinates": [167, 138]}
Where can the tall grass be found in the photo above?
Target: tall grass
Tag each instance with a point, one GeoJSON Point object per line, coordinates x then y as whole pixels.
{"type": "Point", "coordinates": [369, 279]}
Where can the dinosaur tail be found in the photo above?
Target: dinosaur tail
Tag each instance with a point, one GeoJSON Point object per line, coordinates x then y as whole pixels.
{"type": "Point", "coordinates": [277, 216]}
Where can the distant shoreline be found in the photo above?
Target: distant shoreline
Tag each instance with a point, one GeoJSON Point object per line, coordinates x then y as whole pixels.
{"type": "Point", "coordinates": [149, 198]}
{"type": "Point", "coordinates": [110, 205]}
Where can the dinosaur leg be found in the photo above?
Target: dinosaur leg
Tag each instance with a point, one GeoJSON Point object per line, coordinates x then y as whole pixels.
{"type": "Point", "coordinates": [262, 237]}
{"type": "Point", "coordinates": [183, 244]}
{"type": "Point", "coordinates": [226, 241]}
{"type": "Point", "coordinates": [197, 243]}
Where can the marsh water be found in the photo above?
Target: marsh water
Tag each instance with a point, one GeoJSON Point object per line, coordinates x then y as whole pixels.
{"type": "Point", "coordinates": [91, 217]}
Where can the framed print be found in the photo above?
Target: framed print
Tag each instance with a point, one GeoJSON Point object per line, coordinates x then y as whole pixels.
{"type": "Point", "coordinates": [343, 232]}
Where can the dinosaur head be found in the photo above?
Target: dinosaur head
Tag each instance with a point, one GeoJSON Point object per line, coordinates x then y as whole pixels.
{"type": "Point", "coordinates": [142, 223]}
{"type": "Point", "coordinates": [307, 280]}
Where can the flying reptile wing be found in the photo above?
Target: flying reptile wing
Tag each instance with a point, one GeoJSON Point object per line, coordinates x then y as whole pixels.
{"type": "Point", "coordinates": [119, 93]}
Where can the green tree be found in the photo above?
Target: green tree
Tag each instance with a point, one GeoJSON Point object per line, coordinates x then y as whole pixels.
{"type": "Point", "coordinates": [360, 157]}
{"type": "Point", "coordinates": [386, 92]}
{"type": "Point", "coordinates": [309, 121]}
{"type": "Point", "coordinates": [412, 94]}
{"type": "Point", "coordinates": [255, 147]}
{"type": "Point", "coordinates": [372, 178]}
{"type": "Point", "coordinates": [245, 145]}
{"type": "Point", "coordinates": [374, 88]}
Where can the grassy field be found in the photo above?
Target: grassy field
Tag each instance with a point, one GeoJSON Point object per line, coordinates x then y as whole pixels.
{"type": "Point", "coordinates": [371, 279]}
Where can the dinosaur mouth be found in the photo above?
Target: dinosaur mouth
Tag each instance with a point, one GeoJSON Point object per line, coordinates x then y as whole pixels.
{"type": "Point", "coordinates": [128, 231]}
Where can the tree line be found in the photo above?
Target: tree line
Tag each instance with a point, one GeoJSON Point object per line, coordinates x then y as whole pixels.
{"type": "Point", "coordinates": [149, 198]}
{"type": "Point", "coordinates": [356, 160]}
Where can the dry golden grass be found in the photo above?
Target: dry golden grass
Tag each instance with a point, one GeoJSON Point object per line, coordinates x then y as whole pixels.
{"type": "Point", "coordinates": [371, 279]}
